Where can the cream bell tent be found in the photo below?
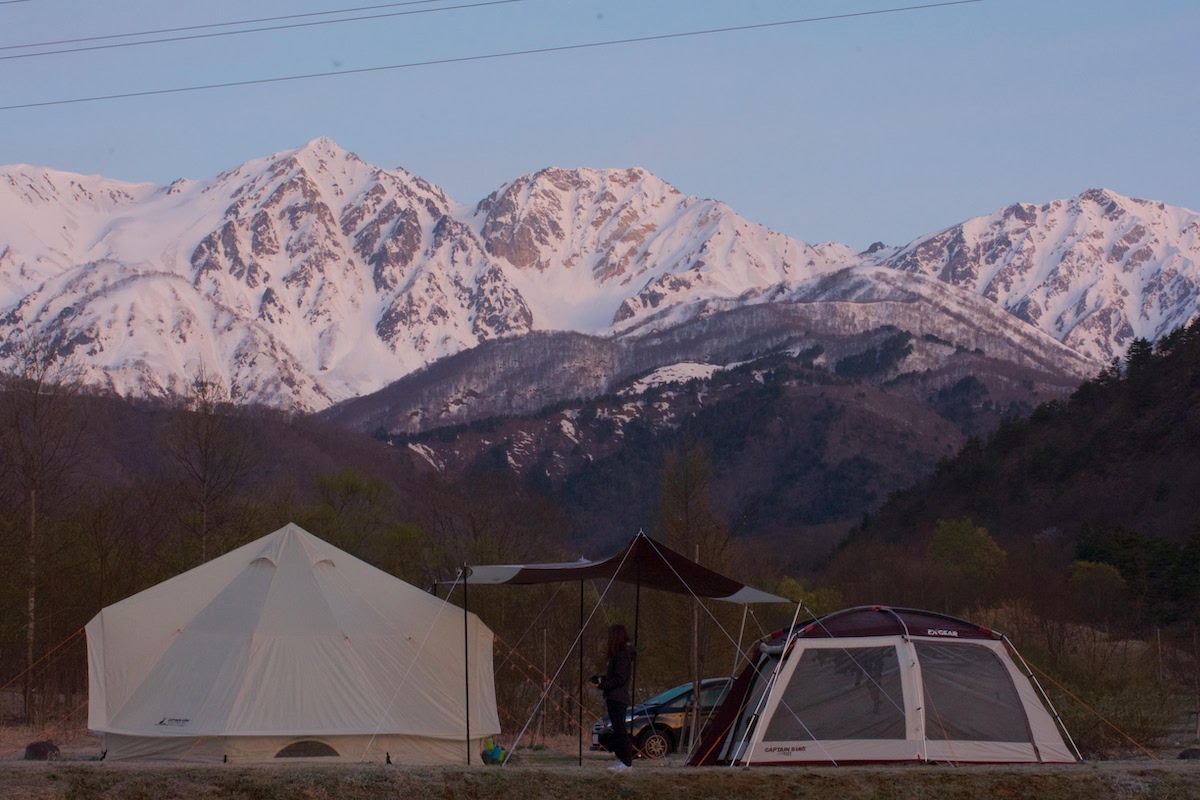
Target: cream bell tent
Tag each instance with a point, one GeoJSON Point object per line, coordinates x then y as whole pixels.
{"type": "Point", "coordinates": [289, 646]}
{"type": "Point", "coordinates": [884, 684]}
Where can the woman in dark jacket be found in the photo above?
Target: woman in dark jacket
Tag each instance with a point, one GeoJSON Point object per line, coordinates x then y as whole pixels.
{"type": "Point", "coordinates": [615, 685]}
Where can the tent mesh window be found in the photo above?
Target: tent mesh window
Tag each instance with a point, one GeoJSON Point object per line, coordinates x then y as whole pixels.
{"type": "Point", "coordinates": [307, 749]}
{"type": "Point", "coordinates": [842, 693]}
{"type": "Point", "coordinates": [969, 695]}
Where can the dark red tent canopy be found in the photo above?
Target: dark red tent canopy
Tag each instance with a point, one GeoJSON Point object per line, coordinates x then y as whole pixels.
{"type": "Point", "coordinates": [644, 562]}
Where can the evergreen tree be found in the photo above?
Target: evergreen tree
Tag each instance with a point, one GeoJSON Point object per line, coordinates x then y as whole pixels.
{"type": "Point", "coordinates": [1138, 356]}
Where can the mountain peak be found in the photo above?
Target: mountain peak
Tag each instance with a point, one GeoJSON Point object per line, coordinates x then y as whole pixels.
{"type": "Point", "coordinates": [324, 146]}
{"type": "Point", "coordinates": [320, 155]}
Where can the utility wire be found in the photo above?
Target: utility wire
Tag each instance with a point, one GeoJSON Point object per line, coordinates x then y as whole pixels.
{"type": "Point", "coordinates": [485, 57]}
{"type": "Point", "coordinates": [291, 26]}
{"type": "Point", "coordinates": [207, 26]}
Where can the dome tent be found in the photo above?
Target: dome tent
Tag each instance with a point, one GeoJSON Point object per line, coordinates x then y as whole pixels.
{"type": "Point", "coordinates": [877, 684]}
{"type": "Point", "coordinates": [288, 645]}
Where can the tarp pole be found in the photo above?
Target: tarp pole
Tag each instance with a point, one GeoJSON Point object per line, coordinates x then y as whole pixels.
{"type": "Point", "coordinates": [637, 611]}
{"type": "Point", "coordinates": [467, 661]}
{"type": "Point", "coordinates": [694, 728]}
{"type": "Point", "coordinates": [580, 695]}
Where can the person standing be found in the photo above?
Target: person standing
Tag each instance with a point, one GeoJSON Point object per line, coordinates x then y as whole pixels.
{"type": "Point", "coordinates": [614, 683]}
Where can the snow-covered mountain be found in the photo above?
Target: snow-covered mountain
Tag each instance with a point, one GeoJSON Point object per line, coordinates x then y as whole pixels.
{"type": "Point", "coordinates": [1093, 271]}
{"type": "Point", "coordinates": [300, 279]}
{"type": "Point", "coordinates": [309, 277]}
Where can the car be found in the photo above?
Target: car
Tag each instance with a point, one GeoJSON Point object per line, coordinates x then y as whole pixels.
{"type": "Point", "coordinates": [657, 726]}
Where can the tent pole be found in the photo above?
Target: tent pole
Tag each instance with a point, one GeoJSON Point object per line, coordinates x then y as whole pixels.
{"type": "Point", "coordinates": [580, 695]}
{"type": "Point", "coordinates": [467, 661]}
{"type": "Point", "coordinates": [1045, 697]}
{"type": "Point", "coordinates": [748, 736]}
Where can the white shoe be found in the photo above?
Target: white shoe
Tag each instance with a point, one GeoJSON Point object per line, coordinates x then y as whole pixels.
{"type": "Point", "coordinates": [620, 765]}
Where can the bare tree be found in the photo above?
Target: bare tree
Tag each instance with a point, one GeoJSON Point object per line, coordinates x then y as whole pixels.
{"type": "Point", "coordinates": [41, 432]}
{"type": "Point", "coordinates": [212, 452]}
{"type": "Point", "coordinates": [690, 525]}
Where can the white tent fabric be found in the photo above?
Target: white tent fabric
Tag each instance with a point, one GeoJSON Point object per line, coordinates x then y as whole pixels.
{"type": "Point", "coordinates": [285, 640]}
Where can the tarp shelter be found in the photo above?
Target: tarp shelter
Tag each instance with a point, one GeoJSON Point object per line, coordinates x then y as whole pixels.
{"type": "Point", "coordinates": [285, 646]}
{"type": "Point", "coordinates": [881, 684]}
{"type": "Point", "coordinates": [642, 562]}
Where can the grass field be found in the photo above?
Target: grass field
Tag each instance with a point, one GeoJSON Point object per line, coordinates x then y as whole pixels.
{"type": "Point", "coordinates": [92, 780]}
{"type": "Point", "coordinates": [74, 781]}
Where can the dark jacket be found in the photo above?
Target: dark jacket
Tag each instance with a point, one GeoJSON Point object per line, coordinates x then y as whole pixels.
{"type": "Point", "coordinates": [615, 681]}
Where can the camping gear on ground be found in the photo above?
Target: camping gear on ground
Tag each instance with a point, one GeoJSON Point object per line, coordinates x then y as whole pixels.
{"type": "Point", "coordinates": [493, 753]}
{"type": "Point", "coordinates": [881, 684]}
{"type": "Point", "coordinates": [288, 646]}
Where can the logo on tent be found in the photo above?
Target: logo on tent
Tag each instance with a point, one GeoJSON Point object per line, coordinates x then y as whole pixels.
{"type": "Point", "coordinates": [940, 632]}
{"type": "Point", "coordinates": [175, 722]}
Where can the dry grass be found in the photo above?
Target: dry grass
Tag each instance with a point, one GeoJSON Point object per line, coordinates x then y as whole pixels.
{"type": "Point", "coordinates": [553, 772]}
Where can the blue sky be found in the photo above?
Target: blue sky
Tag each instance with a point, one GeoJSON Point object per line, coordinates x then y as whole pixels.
{"type": "Point", "coordinates": [881, 127]}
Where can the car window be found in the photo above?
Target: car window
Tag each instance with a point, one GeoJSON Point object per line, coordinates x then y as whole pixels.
{"type": "Point", "coordinates": [679, 697]}
{"type": "Point", "coordinates": [679, 703]}
{"type": "Point", "coordinates": [711, 696]}
{"type": "Point", "coordinates": [663, 698]}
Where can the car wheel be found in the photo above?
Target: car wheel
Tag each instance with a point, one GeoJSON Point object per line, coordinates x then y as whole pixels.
{"type": "Point", "coordinates": [655, 743]}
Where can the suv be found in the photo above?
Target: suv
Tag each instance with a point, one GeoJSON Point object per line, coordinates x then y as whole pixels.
{"type": "Point", "coordinates": [657, 725]}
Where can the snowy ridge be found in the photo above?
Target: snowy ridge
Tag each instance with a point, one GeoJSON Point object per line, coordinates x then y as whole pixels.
{"type": "Point", "coordinates": [596, 248]}
{"type": "Point", "coordinates": [309, 276]}
{"type": "Point", "coordinates": [1093, 271]}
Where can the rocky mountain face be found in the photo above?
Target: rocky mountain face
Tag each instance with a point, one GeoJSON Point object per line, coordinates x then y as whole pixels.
{"type": "Point", "coordinates": [310, 277]}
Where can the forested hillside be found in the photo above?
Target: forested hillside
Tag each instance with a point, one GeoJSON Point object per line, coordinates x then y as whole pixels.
{"type": "Point", "coordinates": [802, 440]}
{"type": "Point", "coordinates": [1108, 474]}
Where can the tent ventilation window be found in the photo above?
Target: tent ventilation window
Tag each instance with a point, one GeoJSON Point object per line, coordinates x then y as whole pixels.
{"type": "Point", "coordinates": [307, 749]}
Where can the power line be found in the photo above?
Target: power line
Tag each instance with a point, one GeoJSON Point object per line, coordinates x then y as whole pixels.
{"type": "Point", "coordinates": [195, 36]}
{"type": "Point", "coordinates": [206, 26]}
{"type": "Point", "coordinates": [485, 57]}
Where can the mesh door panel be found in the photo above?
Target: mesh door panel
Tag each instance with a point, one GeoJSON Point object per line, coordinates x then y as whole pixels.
{"type": "Point", "coordinates": [843, 693]}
